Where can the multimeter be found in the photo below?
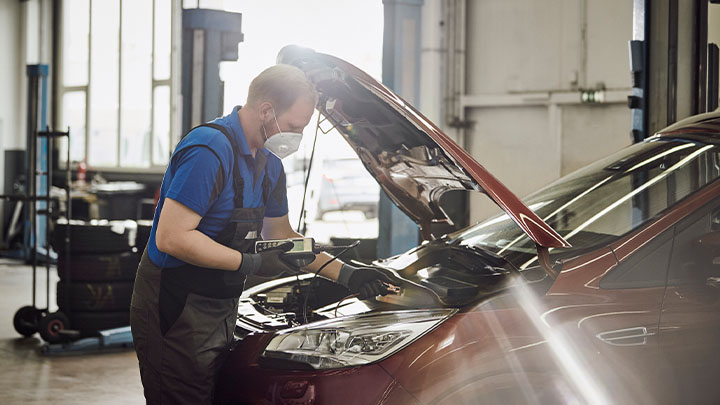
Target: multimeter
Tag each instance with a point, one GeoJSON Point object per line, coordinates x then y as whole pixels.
{"type": "Point", "coordinates": [301, 254]}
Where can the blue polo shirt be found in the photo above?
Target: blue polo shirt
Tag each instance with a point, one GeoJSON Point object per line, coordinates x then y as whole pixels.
{"type": "Point", "coordinates": [200, 176]}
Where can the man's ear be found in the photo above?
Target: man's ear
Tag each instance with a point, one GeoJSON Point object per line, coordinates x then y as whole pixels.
{"type": "Point", "coordinates": [266, 110]}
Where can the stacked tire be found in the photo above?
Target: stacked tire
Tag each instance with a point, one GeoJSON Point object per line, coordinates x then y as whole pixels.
{"type": "Point", "coordinates": [96, 277]}
{"type": "Point", "coordinates": [143, 234]}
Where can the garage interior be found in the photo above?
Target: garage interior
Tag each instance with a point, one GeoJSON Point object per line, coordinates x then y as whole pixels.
{"type": "Point", "coordinates": [531, 90]}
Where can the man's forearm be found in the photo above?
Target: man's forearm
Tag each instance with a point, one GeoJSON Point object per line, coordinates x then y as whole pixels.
{"type": "Point", "coordinates": [279, 228]}
{"type": "Point", "coordinates": [331, 271]}
{"type": "Point", "coordinates": [196, 248]}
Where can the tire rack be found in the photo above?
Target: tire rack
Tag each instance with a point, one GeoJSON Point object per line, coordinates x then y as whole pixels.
{"type": "Point", "coordinates": [33, 318]}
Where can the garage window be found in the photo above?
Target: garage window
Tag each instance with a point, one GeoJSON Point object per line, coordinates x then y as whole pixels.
{"type": "Point", "coordinates": [115, 82]}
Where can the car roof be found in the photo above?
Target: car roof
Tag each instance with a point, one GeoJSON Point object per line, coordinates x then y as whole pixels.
{"type": "Point", "coordinates": [700, 128]}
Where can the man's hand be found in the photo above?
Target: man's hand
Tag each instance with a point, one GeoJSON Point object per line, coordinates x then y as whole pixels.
{"type": "Point", "coordinates": [272, 263]}
{"type": "Point", "coordinates": [364, 281]}
{"type": "Point", "coordinates": [267, 263]}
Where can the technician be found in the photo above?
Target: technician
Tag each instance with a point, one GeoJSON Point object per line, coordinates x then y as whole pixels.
{"type": "Point", "coordinates": [223, 188]}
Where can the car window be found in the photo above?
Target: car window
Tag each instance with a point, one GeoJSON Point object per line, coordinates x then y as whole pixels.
{"type": "Point", "coordinates": [694, 257]}
{"type": "Point", "coordinates": [604, 200]}
{"type": "Point", "coordinates": [648, 267]}
{"type": "Point", "coordinates": [676, 253]}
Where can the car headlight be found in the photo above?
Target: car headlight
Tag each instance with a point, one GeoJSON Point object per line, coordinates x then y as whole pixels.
{"type": "Point", "coordinates": [353, 340]}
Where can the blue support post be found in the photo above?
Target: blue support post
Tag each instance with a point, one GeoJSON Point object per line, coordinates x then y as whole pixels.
{"type": "Point", "coordinates": [400, 72]}
{"type": "Point", "coordinates": [209, 37]}
{"type": "Point", "coordinates": [36, 181]}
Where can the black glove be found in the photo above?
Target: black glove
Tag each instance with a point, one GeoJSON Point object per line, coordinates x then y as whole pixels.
{"type": "Point", "coordinates": [364, 281]}
{"type": "Point", "coordinates": [268, 263]}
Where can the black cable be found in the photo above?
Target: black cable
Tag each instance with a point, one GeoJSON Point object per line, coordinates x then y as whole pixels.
{"type": "Point", "coordinates": [332, 259]}
{"type": "Point", "coordinates": [341, 301]}
{"type": "Point", "coordinates": [307, 179]}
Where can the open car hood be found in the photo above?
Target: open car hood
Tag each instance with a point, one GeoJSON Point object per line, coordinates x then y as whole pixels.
{"type": "Point", "coordinates": [411, 158]}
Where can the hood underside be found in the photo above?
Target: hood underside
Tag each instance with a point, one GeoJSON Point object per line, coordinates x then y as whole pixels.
{"type": "Point", "coordinates": [413, 161]}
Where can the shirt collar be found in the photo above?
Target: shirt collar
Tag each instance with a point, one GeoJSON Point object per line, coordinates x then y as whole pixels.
{"type": "Point", "coordinates": [232, 121]}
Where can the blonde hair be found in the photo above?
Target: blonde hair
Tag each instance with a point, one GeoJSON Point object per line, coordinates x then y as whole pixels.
{"type": "Point", "coordinates": [281, 85]}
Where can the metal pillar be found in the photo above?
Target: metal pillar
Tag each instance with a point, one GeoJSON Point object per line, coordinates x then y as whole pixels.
{"type": "Point", "coordinates": [209, 37]}
{"type": "Point", "coordinates": [400, 72]}
{"type": "Point", "coordinates": [669, 65]}
{"type": "Point", "coordinates": [671, 36]}
{"type": "Point", "coordinates": [638, 69]}
{"type": "Point", "coordinates": [36, 160]}
{"type": "Point", "coordinates": [712, 77]}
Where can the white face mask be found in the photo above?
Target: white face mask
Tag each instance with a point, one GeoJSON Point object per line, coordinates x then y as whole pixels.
{"type": "Point", "coordinates": [282, 144]}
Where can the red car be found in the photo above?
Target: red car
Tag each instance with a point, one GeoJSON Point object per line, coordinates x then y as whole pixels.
{"type": "Point", "coordinates": [617, 300]}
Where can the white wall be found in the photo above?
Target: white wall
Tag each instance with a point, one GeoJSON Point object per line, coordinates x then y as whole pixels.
{"type": "Point", "coordinates": [9, 73]}
{"type": "Point", "coordinates": [714, 24]}
{"type": "Point", "coordinates": [25, 38]}
{"type": "Point", "coordinates": [526, 63]}
{"type": "Point", "coordinates": [432, 56]}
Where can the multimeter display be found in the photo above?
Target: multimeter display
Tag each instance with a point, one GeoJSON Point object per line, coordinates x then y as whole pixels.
{"type": "Point", "coordinates": [300, 255]}
{"type": "Point", "coordinates": [300, 245]}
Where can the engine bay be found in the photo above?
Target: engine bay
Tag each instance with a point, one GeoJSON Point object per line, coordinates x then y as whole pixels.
{"type": "Point", "coordinates": [432, 275]}
{"type": "Point", "coordinates": [295, 301]}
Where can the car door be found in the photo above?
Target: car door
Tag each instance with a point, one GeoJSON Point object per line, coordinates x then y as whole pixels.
{"type": "Point", "coordinates": [690, 321]}
{"type": "Point", "coordinates": [622, 320]}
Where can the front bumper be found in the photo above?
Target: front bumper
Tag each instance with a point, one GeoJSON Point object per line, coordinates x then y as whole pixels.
{"type": "Point", "coordinates": [244, 380]}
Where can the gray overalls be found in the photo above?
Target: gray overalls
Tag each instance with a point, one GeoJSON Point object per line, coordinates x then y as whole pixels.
{"type": "Point", "coordinates": [182, 319]}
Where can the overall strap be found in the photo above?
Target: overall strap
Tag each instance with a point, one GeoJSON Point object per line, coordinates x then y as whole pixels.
{"type": "Point", "coordinates": [238, 183]}
{"type": "Point", "coordinates": [266, 187]}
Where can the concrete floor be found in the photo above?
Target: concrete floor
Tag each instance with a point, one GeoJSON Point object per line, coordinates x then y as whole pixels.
{"type": "Point", "coordinates": [28, 377]}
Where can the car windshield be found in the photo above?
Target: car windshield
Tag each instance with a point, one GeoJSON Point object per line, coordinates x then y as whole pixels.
{"type": "Point", "coordinates": [604, 200]}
